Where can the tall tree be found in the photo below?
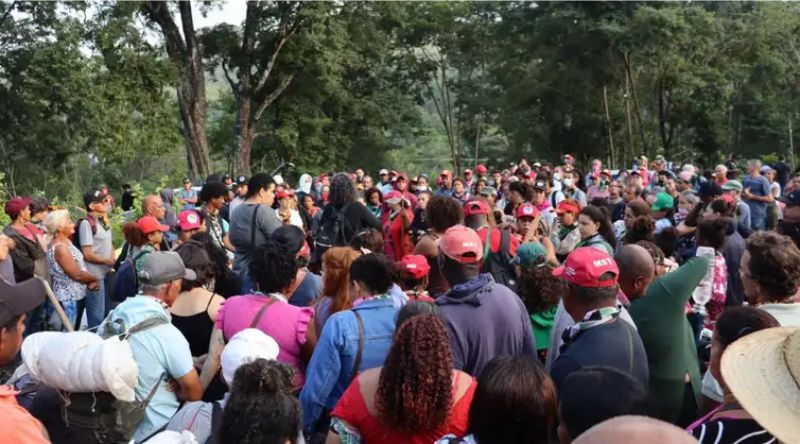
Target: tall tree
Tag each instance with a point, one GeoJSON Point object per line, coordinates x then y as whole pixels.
{"type": "Point", "coordinates": [184, 52]}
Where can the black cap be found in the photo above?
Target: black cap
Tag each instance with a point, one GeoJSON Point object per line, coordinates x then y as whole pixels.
{"type": "Point", "coordinates": [241, 180]}
{"type": "Point", "coordinates": [19, 299]}
{"type": "Point", "coordinates": [93, 196]}
{"type": "Point", "coordinates": [709, 189]}
{"type": "Point", "coordinates": [226, 177]}
{"type": "Point", "coordinates": [792, 199]}
{"type": "Point", "coordinates": [539, 185]}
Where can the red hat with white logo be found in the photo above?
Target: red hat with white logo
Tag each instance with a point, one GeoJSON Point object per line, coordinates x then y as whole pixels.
{"type": "Point", "coordinates": [416, 265]}
{"type": "Point", "coordinates": [475, 207]}
{"type": "Point", "coordinates": [189, 220]}
{"type": "Point", "coordinates": [527, 210]}
{"type": "Point", "coordinates": [584, 267]}
{"type": "Point", "coordinates": [461, 244]}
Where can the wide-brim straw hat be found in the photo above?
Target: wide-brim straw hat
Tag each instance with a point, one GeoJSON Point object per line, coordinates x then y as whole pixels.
{"type": "Point", "coordinates": [762, 371]}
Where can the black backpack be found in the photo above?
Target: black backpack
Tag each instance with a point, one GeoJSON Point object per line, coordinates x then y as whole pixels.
{"type": "Point", "coordinates": [76, 238]}
{"type": "Point", "coordinates": [330, 232]}
{"type": "Point", "coordinates": [126, 281]}
{"type": "Point", "coordinates": [499, 264]}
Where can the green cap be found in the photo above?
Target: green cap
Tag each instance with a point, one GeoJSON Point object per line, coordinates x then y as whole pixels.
{"type": "Point", "coordinates": [529, 253]}
{"type": "Point", "coordinates": [663, 202]}
{"type": "Point", "coordinates": [488, 191]}
{"type": "Point", "coordinates": [734, 185]}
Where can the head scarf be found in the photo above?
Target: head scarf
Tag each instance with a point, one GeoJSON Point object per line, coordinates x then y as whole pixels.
{"type": "Point", "coordinates": [305, 183]}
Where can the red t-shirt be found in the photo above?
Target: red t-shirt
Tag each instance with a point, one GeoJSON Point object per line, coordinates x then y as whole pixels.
{"type": "Point", "coordinates": [352, 409]}
{"type": "Point", "coordinates": [496, 235]}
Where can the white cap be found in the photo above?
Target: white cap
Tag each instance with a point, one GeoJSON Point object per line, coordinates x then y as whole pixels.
{"type": "Point", "coordinates": [246, 346]}
{"type": "Point", "coordinates": [278, 179]}
{"type": "Point", "coordinates": [383, 171]}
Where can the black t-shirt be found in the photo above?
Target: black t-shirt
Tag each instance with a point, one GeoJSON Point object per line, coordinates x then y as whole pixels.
{"type": "Point", "coordinates": [127, 201]}
{"type": "Point", "coordinates": [614, 344]}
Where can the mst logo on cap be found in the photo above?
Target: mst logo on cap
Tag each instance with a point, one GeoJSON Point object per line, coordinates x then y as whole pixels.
{"type": "Point", "coordinates": [461, 244]}
{"type": "Point", "coordinates": [586, 267]}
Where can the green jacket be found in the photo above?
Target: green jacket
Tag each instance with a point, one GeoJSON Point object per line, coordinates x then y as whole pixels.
{"type": "Point", "coordinates": [668, 339]}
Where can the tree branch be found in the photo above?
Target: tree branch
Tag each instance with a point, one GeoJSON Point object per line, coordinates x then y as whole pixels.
{"type": "Point", "coordinates": [234, 88]}
{"type": "Point", "coordinates": [159, 13]}
{"type": "Point", "coordinates": [7, 12]}
{"type": "Point", "coordinates": [271, 97]}
{"type": "Point", "coordinates": [284, 36]}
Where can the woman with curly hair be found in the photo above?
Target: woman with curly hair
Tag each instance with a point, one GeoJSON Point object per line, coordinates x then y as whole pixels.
{"type": "Point", "coordinates": [415, 397]}
{"type": "Point", "coordinates": [356, 215]}
{"type": "Point", "coordinates": [261, 408]}
{"type": "Point", "coordinates": [335, 284]}
{"type": "Point", "coordinates": [274, 270]}
{"type": "Point", "coordinates": [540, 291]}
{"type": "Point", "coordinates": [634, 209]}
{"type": "Point", "coordinates": [374, 201]}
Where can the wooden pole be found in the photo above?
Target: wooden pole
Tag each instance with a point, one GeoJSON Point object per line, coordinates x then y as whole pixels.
{"type": "Point", "coordinates": [64, 319]}
{"type": "Point", "coordinates": [791, 142]}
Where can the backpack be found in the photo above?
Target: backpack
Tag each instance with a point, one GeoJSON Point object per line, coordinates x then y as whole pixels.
{"type": "Point", "coordinates": [76, 238]}
{"type": "Point", "coordinates": [330, 232]}
{"type": "Point", "coordinates": [100, 414]}
{"type": "Point", "coordinates": [499, 264]}
{"type": "Point", "coordinates": [126, 281]}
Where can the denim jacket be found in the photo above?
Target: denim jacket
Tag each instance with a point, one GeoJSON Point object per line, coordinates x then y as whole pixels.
{"type": "Point", "coordinates": [331, 368]}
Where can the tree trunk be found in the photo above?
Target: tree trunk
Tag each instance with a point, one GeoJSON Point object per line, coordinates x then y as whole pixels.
{"type": "Point", "coordinates": [184, 53]}
{"type": "Point", "coordinates": [629, 130]}
{"type": "Point", "coordinates": [608, 128]}
{"type": "Point", "coordinates": [635, 96]}
{"type": "Point", "coordinates": [244, 136]}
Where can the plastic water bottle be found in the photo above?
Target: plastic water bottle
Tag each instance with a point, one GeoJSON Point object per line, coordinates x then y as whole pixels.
{"type": "Point", "coordinates": [702, 294]}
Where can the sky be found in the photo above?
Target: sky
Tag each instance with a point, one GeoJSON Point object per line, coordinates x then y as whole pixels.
{"type": "Point", "coordinates": [231, 12]}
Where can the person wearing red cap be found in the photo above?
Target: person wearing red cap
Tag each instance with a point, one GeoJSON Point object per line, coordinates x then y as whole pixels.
{"type": "Point", "coordinates": [500, 246]}
{"type": "Point", "coordinates": [468, 178]}
{"type": "Point", "coordinates": [599, 336]}
{"type": "Point", "coordinates": [414, 269]}
{"type": "Point", "coordinates": [481, 170]}
{"type": "Point", "coordinates": [401, 185]}
{"type": "Point", "coordinates": [27, 255]}
{"type": "Point", "coordinates": [567, 235]}
{"type": "Point", "coordinates": [397, 220]}
{"type": "Point", "coordinates": [144, 236]}
{"type": "Point", "coordinates": [189, 223]}
{"type": "Point", "coordinates": [287, 208]}
{"type": "Point", "coordinates": [484, 319]}
{"type": "Point", "coordinates": [526, 215]}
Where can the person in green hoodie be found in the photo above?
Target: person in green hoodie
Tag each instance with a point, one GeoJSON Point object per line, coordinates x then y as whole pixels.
{"type": "Point", "coordinates": [539, 290]}
{"type": "Point", "coordinates": [657, 309]}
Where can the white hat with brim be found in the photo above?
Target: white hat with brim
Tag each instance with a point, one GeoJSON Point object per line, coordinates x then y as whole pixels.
{"type": "Point", "coordinates": [246, 346]}
{"type": "Point", "coordinates": [763, 371]}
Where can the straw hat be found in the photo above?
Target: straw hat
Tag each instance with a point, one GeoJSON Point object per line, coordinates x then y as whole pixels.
{"type": "Point", "coordinates": [763, 371]}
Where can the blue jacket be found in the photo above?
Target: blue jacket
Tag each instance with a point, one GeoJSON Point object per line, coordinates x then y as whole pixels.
{"type": "Point", "coordinates": [485, 320]}
{"type": "Point", "coordinates": [331, 368]}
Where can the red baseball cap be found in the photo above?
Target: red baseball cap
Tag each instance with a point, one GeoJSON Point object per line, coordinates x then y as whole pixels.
{"type": "Point", "coordinates": [149, 224]}
{"type": "Point", "coordinates": [284, 193]}
{"type": "Point", "coordinates": [567, 207]}
{"type": "Point", "coordinates": [475, 207]}
{"type": "Point", "coordinates": [468, 172]}
{"type": "Point", "coordinates": [15, 205]}
{"type": "Point", "coordinates": [416, 265]}
{"type": "Point", "coordinates": [461, 244]}
{"type": "Point", "coordinates": [393, 197]}
{"type": "Point", "coordinates": [446, 173]}
{"type": "Point", "coordinates": [481, 169]}
{"type": "Point", "coordinates": [189, 220]}
{"type": "Point", "coordinates": [527, 210]}
{"type": "Point", "coordinates": [585, 265]}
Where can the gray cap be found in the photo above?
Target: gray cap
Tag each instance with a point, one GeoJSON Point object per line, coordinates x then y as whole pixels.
{"type": "Point", "coordinates": [161, 267]}
{"type": "Point", "coordinates": [20, 298]}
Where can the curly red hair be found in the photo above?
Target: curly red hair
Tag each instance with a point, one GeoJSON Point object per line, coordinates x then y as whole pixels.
{"type": "Point", "coordinates": [415, 390]}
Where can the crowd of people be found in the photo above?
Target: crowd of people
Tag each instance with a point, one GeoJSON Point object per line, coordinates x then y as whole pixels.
{"type": "Point", "coordinates": [530, 304]}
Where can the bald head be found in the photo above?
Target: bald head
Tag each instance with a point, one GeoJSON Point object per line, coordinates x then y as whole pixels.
{"type": "Point", "coordinates": [635, 429]}
{"type": "Point", "coordinates": [152, 205]}
{"type": "Point", "coordinates": [636, 270]}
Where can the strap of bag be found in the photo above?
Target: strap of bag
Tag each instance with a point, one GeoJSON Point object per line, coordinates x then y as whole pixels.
{"type": "Point", "coordinates": [216, 423]}
{"type": "Point", "coordinates": [488, 246]}
{"type": "Point", "coordinates": [505, 245]}
{"type": "Point", "coordinates": [253, 226]}
{"type": "Point", "coordinates": [357, 362]}
{"type": "Point", "coordinates": [261, 312]}
{"type": "Point", "coordinates": [147, 324]}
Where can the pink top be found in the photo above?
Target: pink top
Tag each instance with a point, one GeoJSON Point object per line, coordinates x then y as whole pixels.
{"type": "Point", "coordinates": [285, 323]}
